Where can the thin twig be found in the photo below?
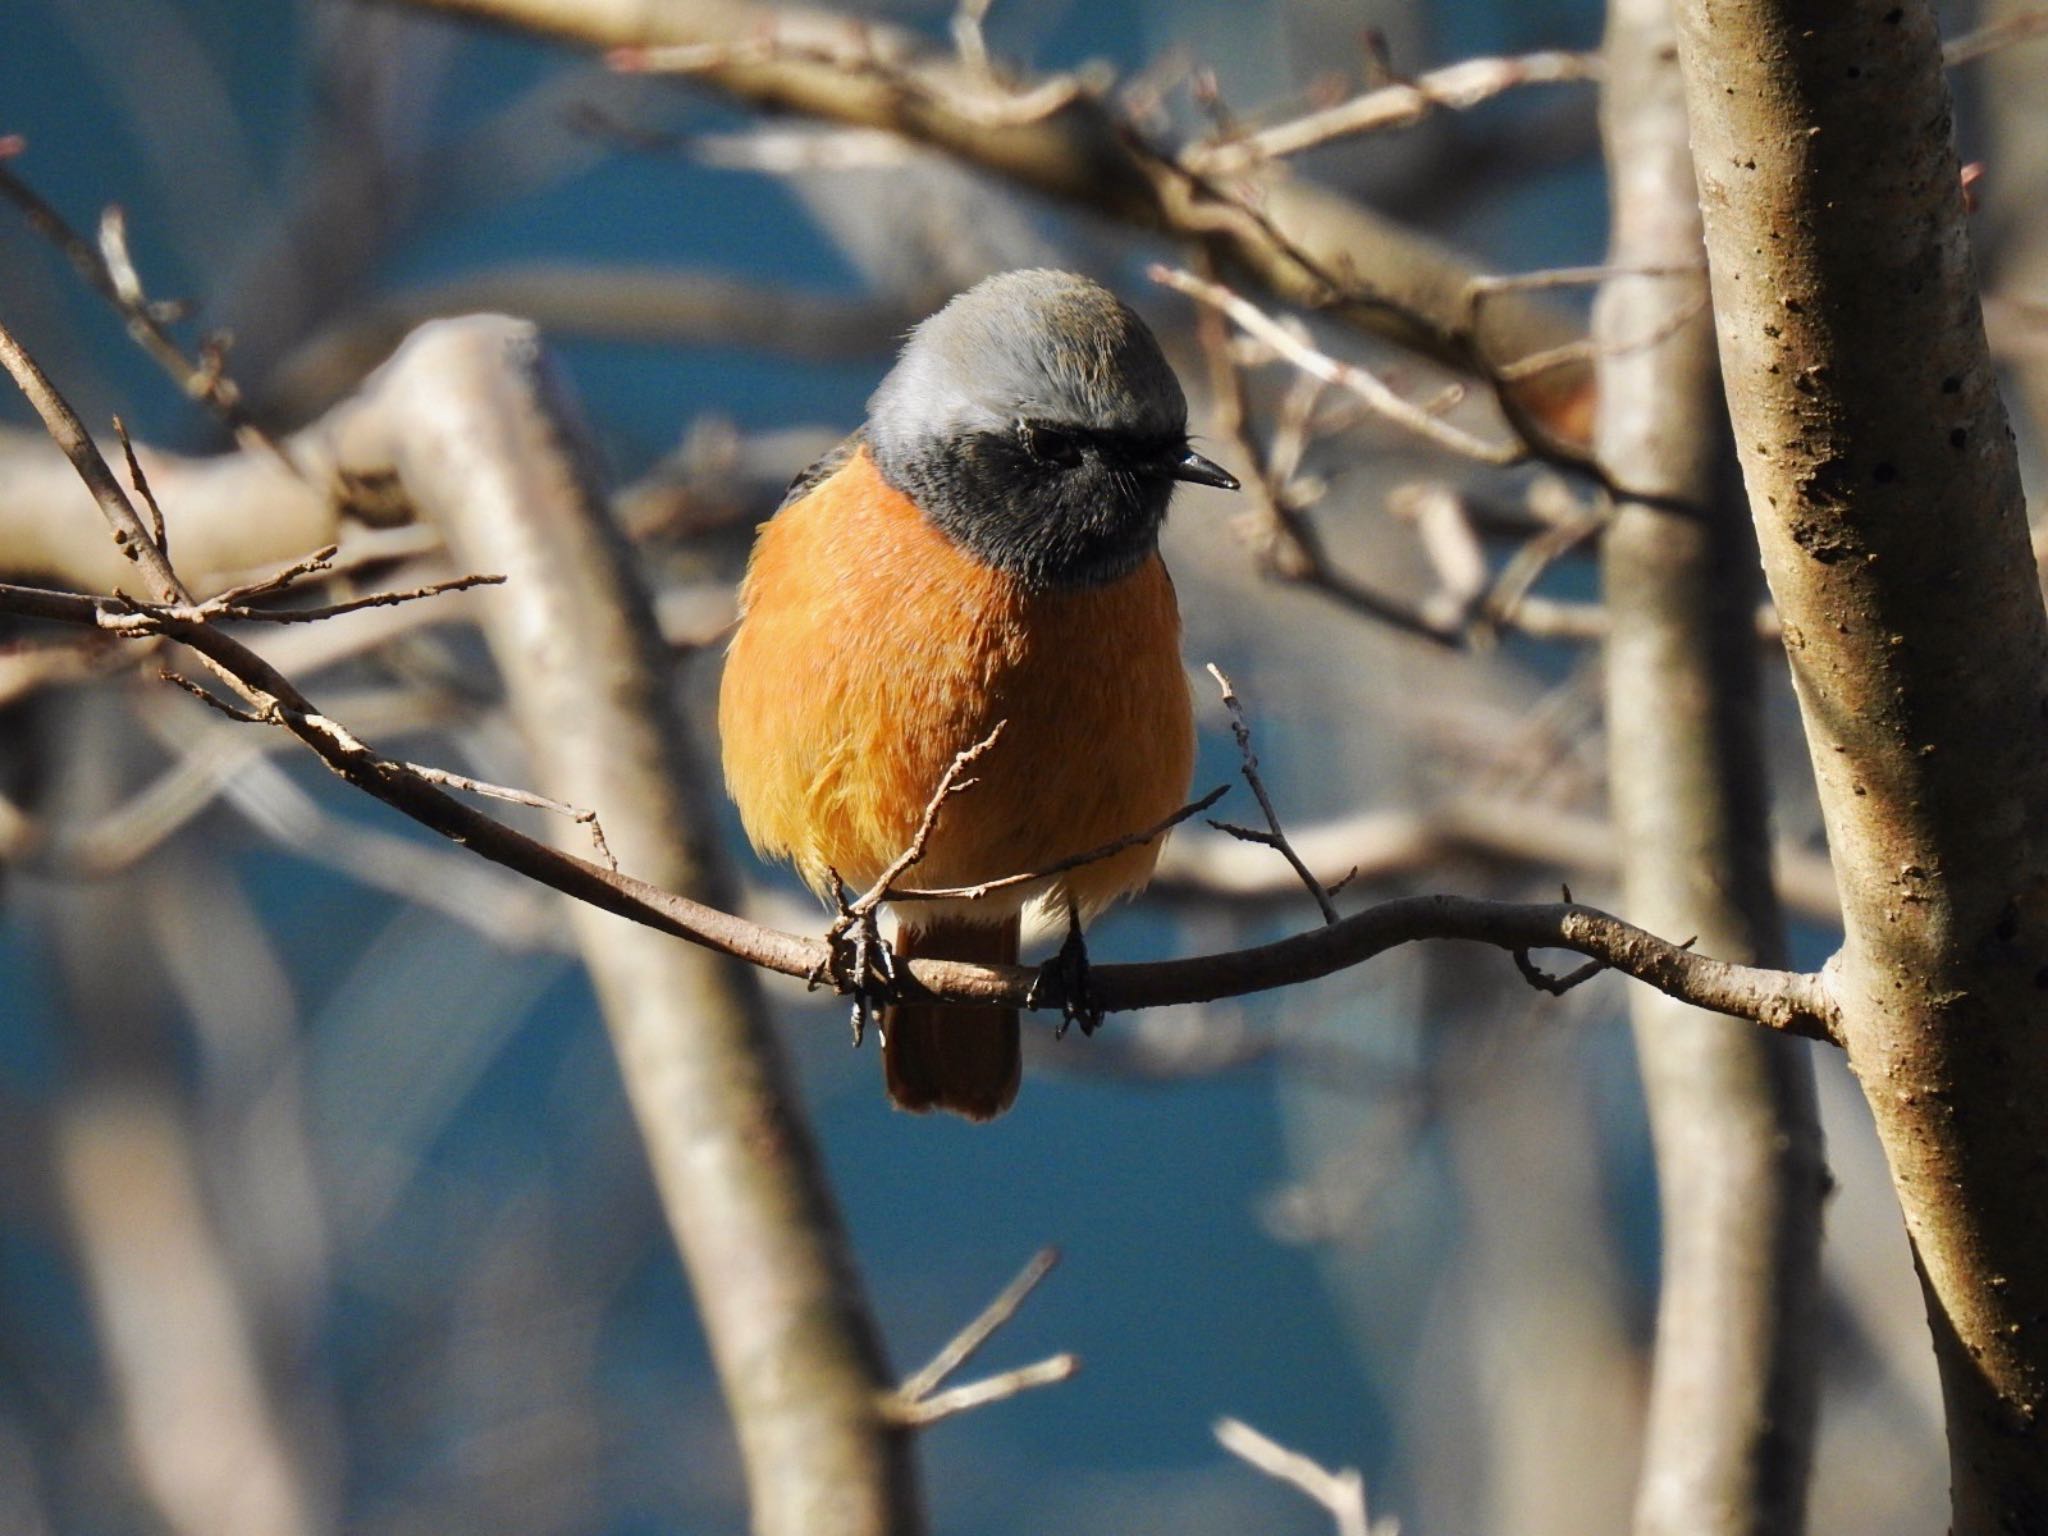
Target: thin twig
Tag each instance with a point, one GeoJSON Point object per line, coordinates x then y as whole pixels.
{"type": "Point", "coordinates": [1452, 88]}
{"type": "Point", "coordinates": [963, 1346]}
{"type": "Point", "coordinates": [1341, 1493]}
{"type": "Point", "coordinates": [1450, 543]}
{"type": "Point", "coordinates": [1288, 237]}
{"type": "Point", "coordinates": [320, 560]}
{"type": "Point", "coordinates": [857, 958]}
{"type": "Point", "coordinates": [950, 784]}
{"type": "Point", "coordinates": [1283, 540]}
{"type": "Point", "coordinates": [968, 38]}
{"type": "Point", "coordinates": [525, 797]}
{"type": "Point", "coordinates": [349, 605]}
{"type": "Point", "coordinates": [113, 246]}
{"type": "Point", "coordinates": [1585, 349]}
{"type": "Point", "coordinates": [158, 532]}
{"type": "Point", "coordinates": [1092, 856]}
{"type": "Point", "coordinates": [1556, 986]}
{"type": "Point", "coordinates": [213, 700]}
{"type": "Point", "coordinates": [1483, 287]}
{"type": "Point", "coordinates": [1362, 382]}
{"type": "Point", "coordinates": [919, 1401]}
{"type": "Point", "coordinates": [1503, 600]}
{"type": "Point", "coordinates": [978, 1394]}
{"type": "Point", "coordinates": [1974, 45]}
{"type": "Point", "coordinates": [69, 434]}
{"type": "Point", "coordinates": [1273, 837]}
{"type": "Point", "coordinates": [202, 378]}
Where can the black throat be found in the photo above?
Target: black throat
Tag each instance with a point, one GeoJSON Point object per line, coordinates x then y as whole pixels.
{"type": "Point", "coordinates": [1082, 523]}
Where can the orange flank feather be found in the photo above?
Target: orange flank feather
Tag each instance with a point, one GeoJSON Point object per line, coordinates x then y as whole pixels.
{"type": "Point", "coordinates": [871, 650]}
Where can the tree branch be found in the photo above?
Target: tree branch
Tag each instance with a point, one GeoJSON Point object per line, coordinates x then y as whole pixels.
{"type": "Point", "coordinates": [1306, 245]}
{"type": "Point", "coordinates": [1795, 1002]}
{"type": "Point", "coordinates": [363, 434]}
{"type": "Point", "coordinates": [131, 538]}
{"type": "Point", "coordinates": [1341, 1493]}
{"type": "Point", "coordinates": [919, 1401]}
{"type": "Point", "coordinates": [1402, 104]}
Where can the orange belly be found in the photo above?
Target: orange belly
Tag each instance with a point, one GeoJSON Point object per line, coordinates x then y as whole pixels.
{"type": "Point", "coordinates": [872, 649]}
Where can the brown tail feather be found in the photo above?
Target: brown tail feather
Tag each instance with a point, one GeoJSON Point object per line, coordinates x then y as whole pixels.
{"type": "Point", "coordinates": [964, 1059]}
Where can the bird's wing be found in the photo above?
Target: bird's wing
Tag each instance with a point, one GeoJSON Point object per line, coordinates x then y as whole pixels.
{"type": "Point", "coordinates": [834, 460]}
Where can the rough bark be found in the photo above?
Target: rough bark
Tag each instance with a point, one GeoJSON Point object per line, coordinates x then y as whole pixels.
{"type": "Point", "coordinates": [1732, 1111]}
{"type": "Point", "coordinates": [1883, 481]}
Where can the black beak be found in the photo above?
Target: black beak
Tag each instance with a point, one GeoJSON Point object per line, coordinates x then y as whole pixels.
{"type": "Point", "coordinates": [1196, 470]}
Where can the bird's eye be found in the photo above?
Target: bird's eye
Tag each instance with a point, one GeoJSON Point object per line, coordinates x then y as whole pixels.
{"type": "Point", "coordinates": [1049, 445]}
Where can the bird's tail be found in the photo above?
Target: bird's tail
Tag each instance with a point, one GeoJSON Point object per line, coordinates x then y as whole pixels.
{"type": "Point", "coordinates": [946, 1056]}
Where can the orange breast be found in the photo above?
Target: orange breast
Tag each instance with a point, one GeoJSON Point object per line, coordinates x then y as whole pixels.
{"type": "Point", "coordinates": [872, 649]}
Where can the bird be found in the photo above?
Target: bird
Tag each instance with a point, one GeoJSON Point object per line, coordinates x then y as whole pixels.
{"type": "Point", "coordinates": [981, 558]}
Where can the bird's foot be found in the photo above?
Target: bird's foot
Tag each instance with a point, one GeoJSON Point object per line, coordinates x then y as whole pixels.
{"type": "Point", "coordinates": [1066, 981]}
{"type": "Point", "coordinates": [858, 961]}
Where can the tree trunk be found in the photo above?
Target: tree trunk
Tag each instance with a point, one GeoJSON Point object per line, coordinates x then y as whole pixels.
{"type": "Point", "coordinates": [1883, 481]}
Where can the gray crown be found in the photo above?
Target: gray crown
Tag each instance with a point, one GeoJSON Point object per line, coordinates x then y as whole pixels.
{"type": "Point", "coordinates": [1038, 345]}
{"type": "Point", "coordinates": [1035, 421]}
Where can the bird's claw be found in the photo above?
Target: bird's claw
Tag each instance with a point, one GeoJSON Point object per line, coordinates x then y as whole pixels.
{"type": "Point", "coordinates": [1065, 976]}
{"type": "Point", "coordinates": [858, 961]}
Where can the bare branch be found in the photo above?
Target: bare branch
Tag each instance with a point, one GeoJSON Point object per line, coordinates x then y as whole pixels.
{"type": "Point", "coordinates": [1283, 539]}
{"type": "Point", "coordinates": [1303, 243]}
{"type": "Point", "coordinates": [1273, 837]}
{"type": "Point", "coordinates": [1557, 986]}
{"type": "Point", "coordinates": [113, 245]}
{"type": "Point", "coordinates": [320, 560]}
{"type": "Point", "coordinates": [525, 797]}
{"type": "Point", "coordinates": [1092, 856]}
{"type": "Point", "coordinates": [213, 700]}
{"type": "Point", "coordinates": [1391, 842]}
{"type": "Point", "coordinates": [859, 960]}
{"type": "Point", "coordinates": [978, 1394]}
{"type": "Point", "coordinates": [221, 608]}
{"type": "Point", "coordinates": [966, 28]}
{"type": "Point", "coordinates": [1341, 1493]}
{"type": "Point", "coordinates": [158, 533]}
{"type": "Point", "coordinates": [1781, 1000]}
{"type": "Point", "coordinates": [980, 99]}
{"type": "Point", "coordinates": [1728, 1434]}
{"type": "Point", "coordinates": [950, 784]}
{"type": "Point", "coordinates": [1452, 88]}
{"type": "Point", "coordinates": [919, 1401]}
{"type": "Point", "coordinates": [1362, 382]}
{"type": "Point", "coordinates": [69, 434]}
{"type": "Point", "coordinates": [109, 271]}
{"type": "Point", "coordinates": [963, 1345]}
{"type": "Point", "coordinates": [1797, 1003]}
{"type": "Point", "coordinates": [2023, 26]}
{"type": "Point", "coordinates": [1507, 595]}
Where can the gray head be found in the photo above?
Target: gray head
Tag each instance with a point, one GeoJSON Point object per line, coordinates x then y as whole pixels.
{"type": "Point", "coordinates": [1036, 421]}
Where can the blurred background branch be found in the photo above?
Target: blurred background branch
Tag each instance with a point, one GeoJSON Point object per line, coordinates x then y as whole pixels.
{"type": "Point", "coordinates": [1735, 1377]}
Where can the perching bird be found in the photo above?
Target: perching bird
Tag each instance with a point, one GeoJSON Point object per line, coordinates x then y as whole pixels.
{"type": "Point", "coordinates": [983, 553]}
